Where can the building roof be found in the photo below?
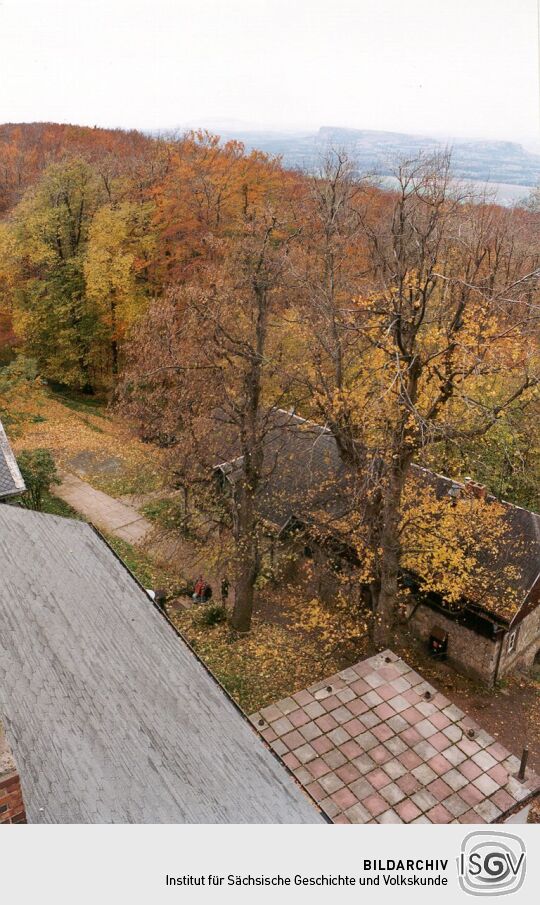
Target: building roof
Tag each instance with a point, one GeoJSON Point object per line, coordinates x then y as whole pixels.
{"type": "Point", "coordinates": [306, 478]}
{"type": "Point", "coordinates": [303, 471]}
{"type": "Point", "coordinates": [110, 716]}
{"type": "Point", "coordinates": [371, 748]}
{"type": "Point", "coordinates": [11, 482]}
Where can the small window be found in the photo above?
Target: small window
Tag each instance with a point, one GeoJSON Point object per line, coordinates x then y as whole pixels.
{"type": "Point", "coordinates": [511, 641]}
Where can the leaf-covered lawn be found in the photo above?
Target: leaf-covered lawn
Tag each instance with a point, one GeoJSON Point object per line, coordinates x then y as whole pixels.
{"type": "Point", "coordinates": [74, 430]}
{"type": "Point", "coordinates": [291, 645]}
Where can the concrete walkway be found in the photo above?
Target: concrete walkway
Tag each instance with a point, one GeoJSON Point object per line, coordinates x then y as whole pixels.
{"type": "Point", "coordinates": [103, 511]}
{"type": "Point", "coordinates": [122, 520]}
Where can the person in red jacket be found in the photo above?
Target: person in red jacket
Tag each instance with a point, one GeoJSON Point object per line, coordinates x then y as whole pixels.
{"type": "Point", "coordinates": [198, 590]}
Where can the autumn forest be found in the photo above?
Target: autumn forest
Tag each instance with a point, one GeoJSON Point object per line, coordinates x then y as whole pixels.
{"type": "Point", "coordinates": [200, 289]}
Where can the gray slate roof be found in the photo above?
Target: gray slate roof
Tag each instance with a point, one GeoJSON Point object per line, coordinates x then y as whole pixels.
{"type": "Point", "coordinates": [11, 481]}
{"type": "Point", "coordinates": [110, 716]}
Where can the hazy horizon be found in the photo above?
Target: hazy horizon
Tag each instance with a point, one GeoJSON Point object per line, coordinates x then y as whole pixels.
{"type": "Point", "coordinates": [465, 71]}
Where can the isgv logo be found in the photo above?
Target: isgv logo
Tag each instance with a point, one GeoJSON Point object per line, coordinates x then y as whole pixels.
{"type": "Point", "coordinates": [491, 864]}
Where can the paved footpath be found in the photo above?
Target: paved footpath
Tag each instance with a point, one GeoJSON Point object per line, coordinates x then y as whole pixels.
{"type": "Point", "coordinates": [123, 520]}
{"type": "Point", "coordinates": [102, 510]}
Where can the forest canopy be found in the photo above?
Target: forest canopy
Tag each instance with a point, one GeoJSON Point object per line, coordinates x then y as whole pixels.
{"type": "Point", "coordinates": [183, 277]}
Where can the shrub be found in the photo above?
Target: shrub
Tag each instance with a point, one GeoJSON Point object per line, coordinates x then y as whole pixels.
{"type": "Point", "coordinates": [21, 370]}
{"type": "Point", "coordinates": [214, 614]}
{"type": "Point", "coordinates": [170, 515]}
{"type": "Point", "coordinates": [39, 472]}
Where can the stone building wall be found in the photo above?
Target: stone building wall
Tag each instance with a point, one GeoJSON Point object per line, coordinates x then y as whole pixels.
{"type": "Point", "coordinates": [468, 651]}
{"type": "Point", "coordinates": [11, 800]}
{"type": "Point", "coordinates": [527, 644]}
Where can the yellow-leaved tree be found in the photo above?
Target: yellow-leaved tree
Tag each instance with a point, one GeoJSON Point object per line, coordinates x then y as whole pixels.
{"type": "Point", "coordinates": [117, 262]}
{"type": "Point", "coordinates": [436, 344]}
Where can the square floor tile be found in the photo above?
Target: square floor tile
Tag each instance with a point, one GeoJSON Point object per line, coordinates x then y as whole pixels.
{"type": "Point", "coordinates": [471, 795]}
{"type": "Point", "coordinates": [329, 807]}
{"type": "Point", "coordinates": [455, 805]}
{"type": "Point", "coordinates": [351, 749]}
{"type": "Point", "coordinates": [410, 759]}
{"type": "Point", "coordinates": [331, 783]}
{"type": "Point", "coordinates": [318, 768]}
{"type": "Point", "coordinates": [486, 784]}
{"type": "Point", "coordinates": [424, 800]}
{"type": "Point", "coordinates": [364, 763]}
{"type": "Point", "coordinates": [440, 741]}
{"type": "Point", "coordinates": [439, 814]}
{"type": "Point", "coordinates": [374, 804]}
{"type": "Point", "coordinates": [358, 814]}
{"type": "Point", "coordinates": [484, 760]}
{"type": "Point", "coordinates": [394, 768]}
{"type": "Point", "coordinates": [392, 793]}
{"type": "Point", "coordinates": [322, 744]}
{"type": "Point", "coordinates": [339, 736]}
{"type": "Point", "coordinates": [408, 811]}
{"type": "Point", "coordinates": [439, 789]}
{"type": "Point", "coordinates": [305, 754]}
{"type": "Point", "coordinates": [310, 731]}
{"type": "Point", "coordinates": [344, 798]}
{"type": "Point", "coordinates": [334, 758]}
{"type": "Point", "coordinates": [488, 810]}
{"type": "Point", "coordinates": [382, 732]}
{"type": "Point", "coordinates": [314, 710]}
{"type": "Point", "coordinates": [362, 788]}
{"type": "Point", "coordinates": [397, 723]}
{"type": "Point", "coordinates": [354, 727]}
{"type": "Point", "coordinates": [299, 717]}
{"type": "Point", "coordinates": [369, 719]}
{"type": "Point", "coordinates": [455, 755]}
{"type": "Point", "coordinates": [455, 779]}
{"type": "Point", "coordinates": [316, 791]}
{"type": "Point", "coordinates": [293, 739]}
{"type": "Point", "coordinates": [302, 698]}
{"type": "Point", "coordinates": [378, 778]}
{"type": "Point", "coordinates": [439, 764]}
{"type": "Point", "coordinates": [367, 741]}
{"type": "Point", "coordinates": [348, 773]}
{"type": "Point", "coordinates": [499, 774]}
{"type": "Point", "coordinates": [282, 726]}
{"type": "Point", "coordinates": [389, 816]}
{"type": "Point", "coordinates": [357, 707]}
{"type": "Point", "coordinates": [380, 754]}
{"type": "Point", "coordinates": [326, 722]}
{"type": "Point", "coordinates": [408, 783]}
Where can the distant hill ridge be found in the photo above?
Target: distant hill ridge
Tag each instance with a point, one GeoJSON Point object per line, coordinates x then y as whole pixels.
{"type": "Point", "coordinates": [375, 151]}
{"type": "Point", "coordinates": [26, 148]}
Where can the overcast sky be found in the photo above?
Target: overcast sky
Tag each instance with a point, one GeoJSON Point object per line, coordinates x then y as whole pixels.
{"type": "Point", "coordinates": [457, 67]}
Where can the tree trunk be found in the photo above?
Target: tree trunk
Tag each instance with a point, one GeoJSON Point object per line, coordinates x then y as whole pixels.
{"type": "Point", "coordinates": [114, 341]}
{"type": "Point", "coordinates": [114, 358]}
{"type": "Point", "coordinates": [386, 594]}
{"type": "Point", "coordinates": [244, 596]}
{"type": "Point", "coordinates": [248, 563]}
{"type": "Point", "coordinates": [252, 442]}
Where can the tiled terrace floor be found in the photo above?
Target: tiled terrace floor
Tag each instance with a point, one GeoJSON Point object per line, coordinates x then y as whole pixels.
{"type": "Point", "coordinates": [376, 743]}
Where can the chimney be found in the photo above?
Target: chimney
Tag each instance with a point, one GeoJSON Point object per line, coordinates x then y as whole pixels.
{"type": "Point", "coordinates": [475, 489]}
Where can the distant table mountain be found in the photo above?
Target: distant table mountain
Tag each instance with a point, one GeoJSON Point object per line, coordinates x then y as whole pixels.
{"type": "Point", "coordinates": [482, 161]}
